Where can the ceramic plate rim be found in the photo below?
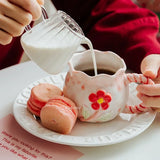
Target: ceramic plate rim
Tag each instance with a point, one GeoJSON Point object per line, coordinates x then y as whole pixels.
{"type": "Point", "coordinates": [86, 141]}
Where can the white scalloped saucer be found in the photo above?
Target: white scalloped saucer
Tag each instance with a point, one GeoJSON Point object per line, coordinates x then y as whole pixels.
{"type": "Point", "coordinates": [122, 128]}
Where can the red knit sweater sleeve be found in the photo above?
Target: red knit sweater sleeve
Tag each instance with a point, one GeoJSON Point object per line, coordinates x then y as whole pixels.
{"type": "Point", "coordinates": [10, 54]}
{"type": "Point", "coordinates": [116, 25]}
{"type": "Point", "coordinates": [123, 27]}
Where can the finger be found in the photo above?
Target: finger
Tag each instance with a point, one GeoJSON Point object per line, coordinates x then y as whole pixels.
{"type": "Point", "coordinates": [5, 38]}
{"type": "Point", "coordinates": [41, 2]}
{"type": "Point", "coordinates": [150, 66]}
{"type": "Point", "coordinates": [10, 26]}
{"type": "Point", "coordinates": [157, 79]}
{"type": "Point", "coordinates": [18, 14]}
{"type": "Point", "coordinates": [31, 6]}
{"type": "Point", "coordinates": [149, 101]}
{"type": "Point", "coordinates": [150, 90]}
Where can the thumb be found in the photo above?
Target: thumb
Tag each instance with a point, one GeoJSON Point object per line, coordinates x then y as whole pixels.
{"type": "Point", "coordinates": [41, 2]}
{"type": "Point", "coordinates": [150, 66]}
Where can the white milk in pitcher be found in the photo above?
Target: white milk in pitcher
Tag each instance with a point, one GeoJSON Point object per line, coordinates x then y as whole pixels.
{"type": "Point", "coordinates": [51, 48]}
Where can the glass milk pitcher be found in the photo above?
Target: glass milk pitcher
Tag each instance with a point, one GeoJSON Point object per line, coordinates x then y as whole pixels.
{"type": "Point", "coordinates": [52, 42]}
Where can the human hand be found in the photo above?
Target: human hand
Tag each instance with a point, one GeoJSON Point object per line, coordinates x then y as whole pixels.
{"type": "Point", "coordinates": [150, 4]}
{"type": "Point", "coordinates": [15, 15]}
{"type": "Point", "coordinates": [150, 94]}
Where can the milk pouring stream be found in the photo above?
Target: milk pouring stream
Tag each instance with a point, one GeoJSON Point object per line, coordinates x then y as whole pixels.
{"type": "Point", "coordinates": [51, 44]}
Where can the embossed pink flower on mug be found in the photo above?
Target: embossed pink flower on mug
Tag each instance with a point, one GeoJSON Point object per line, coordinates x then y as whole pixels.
{"type": "Point", "coordinates": [101, 98]}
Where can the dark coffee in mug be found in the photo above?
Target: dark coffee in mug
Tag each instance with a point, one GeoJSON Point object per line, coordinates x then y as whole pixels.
{"type": "Point", "coordinates": [90, 72]}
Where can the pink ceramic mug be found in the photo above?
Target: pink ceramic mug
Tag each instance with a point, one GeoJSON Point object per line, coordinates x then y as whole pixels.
{"type": "Point", "coordinates": [100, 98]}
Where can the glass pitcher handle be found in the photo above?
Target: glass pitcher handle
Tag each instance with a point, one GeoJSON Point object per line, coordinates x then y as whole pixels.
{"type": "Point", "coordinates": [44, 17]}
{"type": "Point", "coordinates": [44, 13]}
{"type": "Point", "coordinates": [70, 22]}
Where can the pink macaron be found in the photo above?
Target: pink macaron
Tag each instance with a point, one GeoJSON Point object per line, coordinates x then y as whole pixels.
{"type": "Point", "coordinates": [59, 114]}
{"type": "Point", "coordinates": [40, 94]}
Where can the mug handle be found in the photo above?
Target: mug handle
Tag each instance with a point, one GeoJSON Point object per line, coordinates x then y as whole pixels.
{"type": "Point", "coordinates": [140, 79]}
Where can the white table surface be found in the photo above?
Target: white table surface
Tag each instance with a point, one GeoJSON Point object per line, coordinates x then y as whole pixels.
{"type": "Point", "coordinates": [146, 146]}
